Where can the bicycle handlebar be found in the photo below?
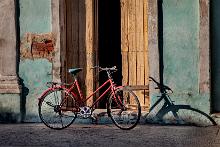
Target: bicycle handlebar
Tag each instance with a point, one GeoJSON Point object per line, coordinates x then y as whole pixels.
{"type": "Point", "coordinates": [106, 68]}
{"type": "Point", "coordinates": [162, 87]}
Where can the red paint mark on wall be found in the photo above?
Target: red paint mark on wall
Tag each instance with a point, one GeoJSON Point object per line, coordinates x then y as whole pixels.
{"type": "Point", "coordinates": [37, 46]}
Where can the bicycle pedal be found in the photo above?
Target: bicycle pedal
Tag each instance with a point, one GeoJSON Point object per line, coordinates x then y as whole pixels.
{"type": "Point", "coordinates": [94, 119]}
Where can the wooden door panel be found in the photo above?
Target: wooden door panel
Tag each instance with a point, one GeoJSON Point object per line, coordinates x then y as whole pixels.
{"type": "Point", "coordinates": [134, 49]}
{"type": "Point", "coordinates": [79, 43]}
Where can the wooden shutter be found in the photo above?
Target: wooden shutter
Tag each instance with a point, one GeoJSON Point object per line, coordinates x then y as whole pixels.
{"type": "Point", "coordinates": [134, 47]}
{"type": "Point", "coordinates": [79, 43]}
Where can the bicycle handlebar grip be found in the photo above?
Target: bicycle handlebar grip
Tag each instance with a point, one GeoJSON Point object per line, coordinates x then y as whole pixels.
{"type": "Point", "coordinates": [113, 68]}
{"type": "Point", "coordinates": [94, 67]}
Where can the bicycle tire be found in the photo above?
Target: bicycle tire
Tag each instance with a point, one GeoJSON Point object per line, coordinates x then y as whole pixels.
{"type": "Point", "coordinates": [50, 112]}
{"type": "Point", "coordinates": [186, 115]}
{"type": "Point", "coordinates": [124, 115]}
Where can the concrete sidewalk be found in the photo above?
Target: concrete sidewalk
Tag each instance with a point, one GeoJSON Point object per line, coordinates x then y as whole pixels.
{"type": "Point", "coordinates": [91, 135]}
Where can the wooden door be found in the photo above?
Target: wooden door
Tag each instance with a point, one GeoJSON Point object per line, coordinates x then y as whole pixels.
{"type": "Point", "coordinates": [134, 47]}
{"type": "Point", "coordinates": [79, 51]}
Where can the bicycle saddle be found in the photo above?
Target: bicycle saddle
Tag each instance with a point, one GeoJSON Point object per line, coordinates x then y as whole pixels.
{"type": "Point", "coordinates": [74, 71]}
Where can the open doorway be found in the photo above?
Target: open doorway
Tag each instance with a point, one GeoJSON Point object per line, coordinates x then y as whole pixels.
{"type": "Point", "coordinates": [106, 33]}
{"type": "Point", "coordinates": [109, 40]}
{"type": "Point", "coordinates": [215, 53]}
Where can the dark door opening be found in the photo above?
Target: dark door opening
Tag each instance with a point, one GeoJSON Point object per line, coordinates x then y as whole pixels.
{"type": "Point", "coordinates": [109, 38]}
{"type": "Point", "coordinates": [215, 53]}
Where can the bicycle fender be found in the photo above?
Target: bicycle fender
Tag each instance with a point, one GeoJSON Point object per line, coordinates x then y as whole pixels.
{"type": "Point", "coordinates": [46, 91]}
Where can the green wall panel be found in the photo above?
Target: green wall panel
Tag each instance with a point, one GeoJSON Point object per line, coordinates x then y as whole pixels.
{"type": "Point", "coordinates": [35, 16]}
{"type": "Point", "coordinates": [35, 74]}
{"type": "Point", "coordinates": [181, 51]}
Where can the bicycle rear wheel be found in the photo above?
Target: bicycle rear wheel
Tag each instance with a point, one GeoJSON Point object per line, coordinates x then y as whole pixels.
{"type": "Point", "coordinates": [53, 110]}
{"type": "Point", "coordinates": [186, 115]}
{"type": "Point", "coordinates": [124, 108]}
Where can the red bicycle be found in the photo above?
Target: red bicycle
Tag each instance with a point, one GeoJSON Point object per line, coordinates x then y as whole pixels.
{"type": "Point", "coordinates": [60, 104]}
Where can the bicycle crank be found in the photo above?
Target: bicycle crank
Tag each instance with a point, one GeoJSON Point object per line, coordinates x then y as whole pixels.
{"type": "Point", "coordinates": [85, 112]}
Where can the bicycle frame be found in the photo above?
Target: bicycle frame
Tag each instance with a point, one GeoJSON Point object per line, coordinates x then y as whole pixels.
{"type": "Point", "coordinates": [60, 99]}
{"type": "Point", "coordinates": [81, 99]}
{"type": "Point", "coordinates": [167, 103]}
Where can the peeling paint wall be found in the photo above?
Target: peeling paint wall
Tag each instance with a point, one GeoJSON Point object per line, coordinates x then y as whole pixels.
{"type": "Point", "coordinates": [35, 46]}
{"type": "Point", "coordinates": [181, 52]}
{"type": "Point", "coordinates": [35, 67]}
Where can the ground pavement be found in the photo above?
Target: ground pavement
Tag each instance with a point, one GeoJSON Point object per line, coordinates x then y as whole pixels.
{"type": "Point", "coordinates": [92, 135]}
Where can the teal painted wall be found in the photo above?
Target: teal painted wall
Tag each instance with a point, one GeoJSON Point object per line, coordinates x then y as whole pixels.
{"type": "Point", "coordinates": [10, 108]}
{"type": "Point", "coordinates": [181, 52]}
{"type": "Point", "coordinates": [35, 17]}
{"type": "Point", "coordinates": [35, 74]}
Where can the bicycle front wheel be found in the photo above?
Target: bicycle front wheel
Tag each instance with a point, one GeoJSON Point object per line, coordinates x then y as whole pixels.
{"type": "Point", "coordinates": [124, 108]}
{"type": "Point", "coordinates": [53, 109]}
{"type": "Point", "coordinates": [186, 115]}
